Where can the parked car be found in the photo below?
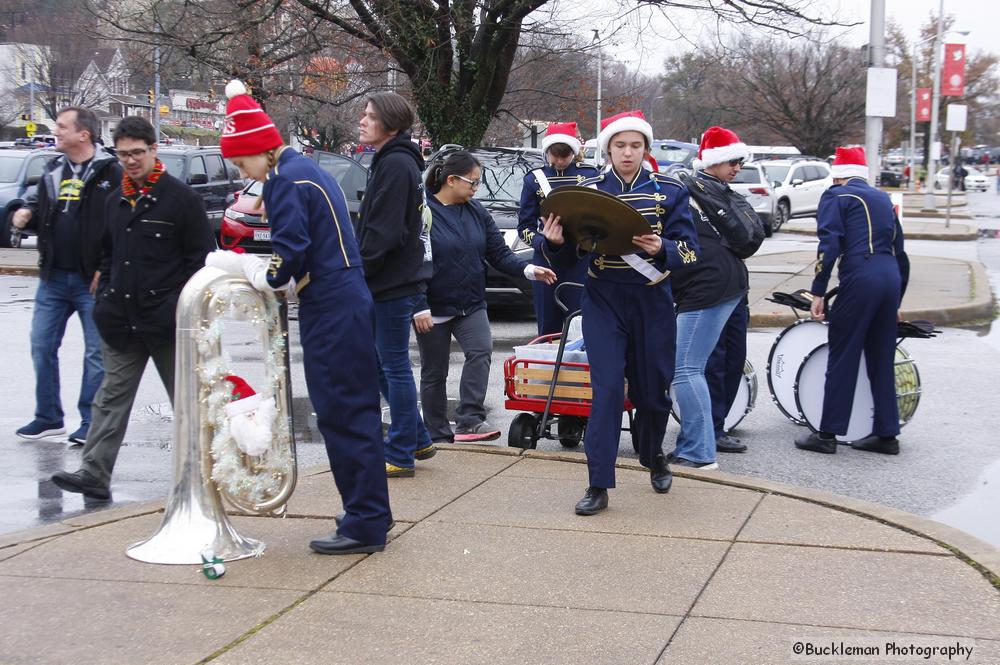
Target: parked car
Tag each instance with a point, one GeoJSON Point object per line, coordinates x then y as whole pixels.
{"type": "Point", "coordinates": [243, 224]}
{"type": "Point", "coordinates": [889, 178]}
{"type": "Point", "coordinates": [752, 183]}
{"type": "Point", "coordinates": [760, 153]}
{"type": "Point", "coordinates": [500, 193]}
{"type": "Point", "coordinates": [203, 168]}
{"type": "Point", "coordinates": [669, 153]}
{"type": "Point", "coordinates": [20, 173]}
{"type": "Point", "coordinates": [975, 181]}
{"type": "Point", "coordinates": [797, 186]}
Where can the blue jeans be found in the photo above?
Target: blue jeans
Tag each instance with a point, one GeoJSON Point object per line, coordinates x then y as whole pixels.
{"type": "Point", "coordinates": [697, 334]}
{"type": "Point", "coordinates": [57, 298]}
{"type": "Point", "coordinates": [395, 378]}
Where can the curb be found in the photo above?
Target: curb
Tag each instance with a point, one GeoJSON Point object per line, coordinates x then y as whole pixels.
{"type": "Point", "coordinates": [977, 553]}
{"type": "Point", "coordinates": [972, 234]}
{"type": "Point", "coordinates": [24, 271]}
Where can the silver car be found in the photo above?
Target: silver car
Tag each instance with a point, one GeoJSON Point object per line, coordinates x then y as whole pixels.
{"type": "Point", "coordinates": [752, 183]}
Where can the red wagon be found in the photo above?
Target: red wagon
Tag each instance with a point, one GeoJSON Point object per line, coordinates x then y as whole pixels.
{"type": "Point", "coordinates": [550, 390]}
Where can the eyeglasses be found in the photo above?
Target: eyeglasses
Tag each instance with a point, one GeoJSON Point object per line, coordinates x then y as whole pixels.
{"type": "Point", "coordinates": [125, 155]}
{"type": "Point", "coordinates": [736, 162]}
{"type": "Point", "coordinates": [473, 183]}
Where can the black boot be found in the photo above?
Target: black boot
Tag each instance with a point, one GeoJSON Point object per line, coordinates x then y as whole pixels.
{"type": "Point", "coordinates": [818, 442]}
{"type": "Point", "coordinates": [83, 483]}
{"type": "Point", "coordinates": [660, 476]}
{"type": "Point", "coordinates": [729, 444]}
{"type": "Point", "coordinates": [594, 501]}
{"type": "Point", "coordinates": [888, 445]}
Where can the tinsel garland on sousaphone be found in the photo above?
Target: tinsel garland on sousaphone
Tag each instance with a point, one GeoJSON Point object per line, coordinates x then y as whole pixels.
{"type": "Point", "coordinates": [596, 221]}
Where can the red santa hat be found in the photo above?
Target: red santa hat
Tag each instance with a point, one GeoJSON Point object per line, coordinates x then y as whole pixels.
{"type": "Point", "coordinates": [248, 131]}
{"type": "Point", "coordinates": [849, 163]}
{"type": "Point", "coordinates": [244, 398]}
{"type": "Point", "coordinates": [626, 121]}
{"type": "Point", "coordinates": [719, 145]}
{"type": "Point", "coordinates": [561, 132]}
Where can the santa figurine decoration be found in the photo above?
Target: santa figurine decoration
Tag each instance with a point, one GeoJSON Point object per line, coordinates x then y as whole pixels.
{"type": "Point", "coordinates": [251, 418]}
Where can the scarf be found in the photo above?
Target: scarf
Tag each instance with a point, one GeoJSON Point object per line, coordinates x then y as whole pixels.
{"type": "Point", "coordinates": [129, 190]}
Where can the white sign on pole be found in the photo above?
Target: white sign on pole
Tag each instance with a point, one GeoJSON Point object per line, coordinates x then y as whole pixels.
{"type": "Point", "coordinates": [880, 98]}
{"type": "Point", "coordinates": [957, 116]}
{"type": "Point", "coordinates": [936, 151]}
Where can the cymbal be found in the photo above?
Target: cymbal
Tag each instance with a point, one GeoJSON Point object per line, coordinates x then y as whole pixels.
{"type": "Point", "coordinates": [596, 221]}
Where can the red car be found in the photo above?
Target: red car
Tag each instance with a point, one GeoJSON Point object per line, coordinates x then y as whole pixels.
{"type": "Point", "coordinates": [243, 226]}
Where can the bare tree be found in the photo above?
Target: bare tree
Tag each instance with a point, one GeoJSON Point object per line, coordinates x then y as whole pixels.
{"type": "Point", "coordinates": [809, 94]}
{"type": "Point", "coordinates": [459, 54]}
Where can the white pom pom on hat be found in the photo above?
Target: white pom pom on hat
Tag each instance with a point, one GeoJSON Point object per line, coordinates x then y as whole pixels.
{"type": "Point", "coordinates": [234, 88]}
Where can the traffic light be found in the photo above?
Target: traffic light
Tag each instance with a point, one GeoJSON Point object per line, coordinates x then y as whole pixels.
{"type": "Point", "coordinates": [151, 96]}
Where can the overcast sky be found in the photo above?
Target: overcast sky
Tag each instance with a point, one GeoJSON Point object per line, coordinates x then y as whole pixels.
{"type": "Point", "coordinates": [683, 31]}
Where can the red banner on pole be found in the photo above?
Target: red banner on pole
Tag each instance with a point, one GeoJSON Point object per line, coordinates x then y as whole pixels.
{"type": "Point", "coordinates": [924, 104]}
{"type": "Point", "coordinates": [953, 72]}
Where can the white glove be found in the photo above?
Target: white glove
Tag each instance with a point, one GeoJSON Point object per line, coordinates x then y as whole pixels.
{"type": "Point", "coordinates": [255, 270]}
{"type": "Point", "coordinates": [226, 261]}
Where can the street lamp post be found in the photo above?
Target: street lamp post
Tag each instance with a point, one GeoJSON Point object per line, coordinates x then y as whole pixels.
{"type": "Point", "coordinates": [929, 203]}
{"type": "Point", "coordinates": [600, 73]}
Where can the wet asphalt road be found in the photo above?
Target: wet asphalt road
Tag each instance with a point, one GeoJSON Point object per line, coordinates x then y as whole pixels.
{"type": "Point", "coordinates": [949, 468]}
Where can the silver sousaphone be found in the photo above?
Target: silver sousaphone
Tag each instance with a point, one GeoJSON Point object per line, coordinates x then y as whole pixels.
{"type": "Point", "coordinates": [194, 520]}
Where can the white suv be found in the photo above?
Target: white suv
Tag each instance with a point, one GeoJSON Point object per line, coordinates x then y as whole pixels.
{"type": "Point", "coordinates": [752, 183]}
{"type": "Point", "coordinates": [797, 186]}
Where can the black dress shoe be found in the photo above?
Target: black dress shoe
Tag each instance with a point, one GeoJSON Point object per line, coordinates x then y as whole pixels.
{"type": "Point", "coordinates": [337, 544]}
{"type": "Point", "coordinates": [339, 517]}
{"type": "Point", "coordinates": [83, 483]}
{"type": "Point", "coordinates": [878, 444]}
{"type": "Point", "coordinates": [659, 476]}
{"type": "Point", "coordinates": [729, 444]}
{"type": "Point", "coordinates": [594, 501]}
{"type": "Point", "coordinates": [817, 444]}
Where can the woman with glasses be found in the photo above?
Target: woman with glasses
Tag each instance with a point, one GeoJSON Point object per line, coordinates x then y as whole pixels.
{"type": "Point", "coordinates": [712, 316]}
{"type": "Point", "coordinates": [463, 239]}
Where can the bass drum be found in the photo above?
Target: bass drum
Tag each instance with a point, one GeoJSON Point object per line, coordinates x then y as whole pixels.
{"type": "Point", "coordinates": [787, 355]}
{"type": "Point", "coordinates": [810, 389]}
{"type": "Point", "coordinates": [743, 403]}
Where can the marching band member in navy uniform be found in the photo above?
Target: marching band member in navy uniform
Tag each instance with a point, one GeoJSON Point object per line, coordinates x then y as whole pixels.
{"type": "Point", "coordinates": [628, 309]}
{"type": "Point", "coordinates": [313, 245]}
{"type": "Point", "coordinates": [561, 148]}
{"type": "Point", "coordinates": [858, 226]}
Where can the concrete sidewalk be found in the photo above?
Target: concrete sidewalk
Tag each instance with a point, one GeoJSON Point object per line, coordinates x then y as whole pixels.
{"type": "Point", "coordinates": [488, 564]}
{"type": "Point", "coordinates": [945, 291]}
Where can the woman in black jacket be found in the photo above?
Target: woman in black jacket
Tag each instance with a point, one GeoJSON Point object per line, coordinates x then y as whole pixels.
{"type": "Point", "coordinates": [464, 238]}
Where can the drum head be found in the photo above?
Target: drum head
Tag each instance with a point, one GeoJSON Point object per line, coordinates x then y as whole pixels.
{"type": "Point", "coordinates": [787, 354]}
{"type": "Point", "coordinates": [810, 387]}
{"type": "Point", "coordinates": [746, 397]}
{"type": "Point", "coordinates": [907, 385]}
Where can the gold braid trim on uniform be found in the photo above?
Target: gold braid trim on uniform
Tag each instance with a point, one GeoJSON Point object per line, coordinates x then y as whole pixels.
{"type": "Point", "coordinates": [819, 263]}
{"type": "Point", "coordinates": [687, 254]}
{"type": "Point", "coordinates": [274, 265]}
{"type": "Point", "coordinates": [340, 235]}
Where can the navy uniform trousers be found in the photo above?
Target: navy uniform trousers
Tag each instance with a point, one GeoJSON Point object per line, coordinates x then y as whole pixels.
{"type": "Point", "coordinates": [340, 366]}
{"type": "Point", "coordinates": [548, 314]}
{"type": "Point", "coordinates": [637, 329]}
{"type": "Point", "coordinates": [724, 370]}
{"type": "Point", "coordinates": [863, 319]}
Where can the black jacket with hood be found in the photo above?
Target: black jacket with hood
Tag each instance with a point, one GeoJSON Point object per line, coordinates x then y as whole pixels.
{"type": "Point", "coordinates": [390, 222]}
{"type": "Point", "coordinates": [101, 178]}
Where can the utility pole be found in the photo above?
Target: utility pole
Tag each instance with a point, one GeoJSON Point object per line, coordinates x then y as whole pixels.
{"type": "Point", "coordinates": [876, 58]}
{"type": "Point", "coordinates": [932, 163]}
{"type": "Point", "coordinates": [156, 92]}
